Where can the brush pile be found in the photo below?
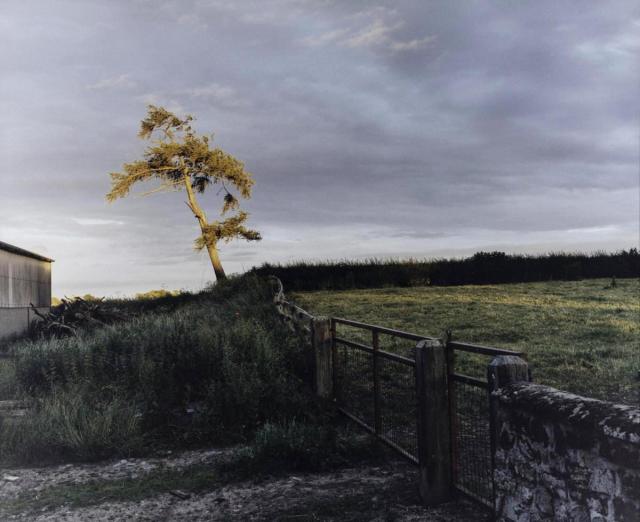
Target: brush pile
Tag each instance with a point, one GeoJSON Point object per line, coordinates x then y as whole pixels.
{"type": "Point", "coordinates": [72, 314]}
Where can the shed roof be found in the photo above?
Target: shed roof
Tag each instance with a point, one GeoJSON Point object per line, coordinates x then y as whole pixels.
{"type": "Point", "coordinates": [22, 252]}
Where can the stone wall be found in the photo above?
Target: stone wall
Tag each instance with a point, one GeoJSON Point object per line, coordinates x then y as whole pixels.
{"type": "Point", "coordinates": [559, 456]}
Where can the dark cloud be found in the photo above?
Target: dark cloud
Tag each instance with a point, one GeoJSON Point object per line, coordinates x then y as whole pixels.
{"type": "Point", "coordinates": [400, 128]}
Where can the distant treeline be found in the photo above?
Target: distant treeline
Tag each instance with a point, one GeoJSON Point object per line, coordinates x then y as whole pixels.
{"type": "Point", "coordinates": [481, 268]}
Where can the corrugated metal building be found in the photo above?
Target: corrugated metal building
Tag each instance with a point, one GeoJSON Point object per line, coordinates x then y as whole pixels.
{"type": "Point", "coordinates": [25, 279]}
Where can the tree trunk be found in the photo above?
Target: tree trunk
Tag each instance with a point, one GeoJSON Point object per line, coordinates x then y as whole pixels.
{"type": "Point", "coordinates": [215, 262]}
{"type": "Point", "coordinates": [202, 220]}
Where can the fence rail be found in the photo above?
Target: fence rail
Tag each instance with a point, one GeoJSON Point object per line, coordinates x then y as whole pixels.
{"type": "Point", "coordinates": [381, 329]}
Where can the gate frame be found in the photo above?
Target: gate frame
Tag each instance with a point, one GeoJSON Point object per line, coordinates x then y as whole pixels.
{"type": "Point", "coordinates": [376, 353]}
{"type": "Point", "coordinates": [452, 377]}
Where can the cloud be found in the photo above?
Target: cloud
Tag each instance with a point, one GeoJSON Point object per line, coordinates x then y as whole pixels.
{"type": "Point", "coordinates": [193, 21]}
{"type": "Point", "coordinates": [413, 45]}
{"type": "Point", "coordinates": [216, 93]}
{"type": "Point", "coordinates": [418, 129]}
{"type": "Point", "coordinates": [378, 33]}
{"type": "Point", "coordinates": [122, 81]}
{"type": "Point", "coordinates": [318, 40]}
{"type": "Point", "coordinates": [382, 31]}
{"type": "Point", "coordinates": [90, 222]}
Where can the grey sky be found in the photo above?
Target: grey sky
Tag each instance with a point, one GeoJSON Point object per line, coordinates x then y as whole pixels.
{"type": "Point", "coordinates": [399, 129]}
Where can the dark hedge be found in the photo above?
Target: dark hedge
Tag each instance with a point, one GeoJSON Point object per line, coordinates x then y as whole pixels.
{"type": "Point", "coordinates": [481, 268]}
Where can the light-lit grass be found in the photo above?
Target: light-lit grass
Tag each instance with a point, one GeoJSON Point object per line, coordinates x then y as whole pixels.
{"type": "Point", "coordinates": [581, 336]}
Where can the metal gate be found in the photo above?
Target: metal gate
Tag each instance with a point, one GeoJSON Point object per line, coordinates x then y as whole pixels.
{"type": "Point", "coordinates": [471, 452]}
{"type": "Point", "coordinates": [375, 387]}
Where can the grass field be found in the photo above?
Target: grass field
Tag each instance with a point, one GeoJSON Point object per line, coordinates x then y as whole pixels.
{"type": "Point", "coordinates": [579, 336]}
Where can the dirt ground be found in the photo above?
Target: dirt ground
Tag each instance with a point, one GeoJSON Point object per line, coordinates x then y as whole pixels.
{"type": "Point", "coordinates": [382, 493]}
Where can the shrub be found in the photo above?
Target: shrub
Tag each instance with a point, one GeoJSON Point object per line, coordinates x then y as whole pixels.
{"type": "Point", "coordinates": [303, 445]}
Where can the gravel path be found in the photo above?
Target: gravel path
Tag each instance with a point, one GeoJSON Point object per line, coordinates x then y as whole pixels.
{"type": "Point", "coordinates": [18, 480]}
{"type": "Point", "coordinates": [380, 493]}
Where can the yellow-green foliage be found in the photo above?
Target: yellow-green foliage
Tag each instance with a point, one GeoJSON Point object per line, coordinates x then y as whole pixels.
{"type": "Point", "coordinates": [157, 294]}
{"type": "Point", "coordinates": [581, 336]}
{"type": "Point", "coordinates": [179, 159]}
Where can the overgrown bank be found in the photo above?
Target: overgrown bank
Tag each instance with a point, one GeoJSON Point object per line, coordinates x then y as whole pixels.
{"type": "Point", "coordinates": [216, 369]}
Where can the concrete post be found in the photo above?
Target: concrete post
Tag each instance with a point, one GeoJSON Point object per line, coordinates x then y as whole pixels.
{"type": "Point", "coordinates": [323, 367]}
{"type": "Point", "coordinates": [434, 455]}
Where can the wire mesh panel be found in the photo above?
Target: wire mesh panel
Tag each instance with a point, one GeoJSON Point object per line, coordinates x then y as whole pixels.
{"type": "Point", "coordinates": [398, 408]}
{"type": "Point", "coordinates": [472, 442]}
{"type": "Point", "coordinates": [376, 388]}
{"type": "Point", "coordinates": [354, 387]}
{"type": "Point", "coordinates": [470, 419]}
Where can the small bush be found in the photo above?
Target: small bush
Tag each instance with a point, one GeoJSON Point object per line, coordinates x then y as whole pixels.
{"type": "Point", "coordinates": [295, 445]}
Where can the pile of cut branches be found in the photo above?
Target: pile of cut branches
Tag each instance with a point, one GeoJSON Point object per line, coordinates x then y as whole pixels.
{"type": "Point", "coordinates": [71, 315]}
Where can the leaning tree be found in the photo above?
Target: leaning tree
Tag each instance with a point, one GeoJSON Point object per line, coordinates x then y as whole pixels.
{"type": "Point", "coordinates": [181, 160]}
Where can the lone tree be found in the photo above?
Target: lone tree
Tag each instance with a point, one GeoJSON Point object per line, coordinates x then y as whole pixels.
{"type": "Point", "coordinates": [181, 160]}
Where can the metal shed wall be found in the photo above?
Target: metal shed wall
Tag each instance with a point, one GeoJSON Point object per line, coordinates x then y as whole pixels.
{"type": "Point", "coordinates": [24, 280]}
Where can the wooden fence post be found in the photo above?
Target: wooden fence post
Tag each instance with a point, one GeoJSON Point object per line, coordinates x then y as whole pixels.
{"type": "Point", "coordinates": [322, 343]}
{"type": "Point", "coordinates": [502, 371]}
{"type": "Point", "coordinates": [434, 444]}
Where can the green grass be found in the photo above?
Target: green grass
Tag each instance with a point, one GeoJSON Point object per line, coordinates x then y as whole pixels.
{"type": "Point", "coordinates": [579, 336]}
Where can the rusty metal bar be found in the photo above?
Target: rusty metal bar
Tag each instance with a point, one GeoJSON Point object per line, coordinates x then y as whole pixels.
{"type": "Point", "coordinates": [453, 409]}
{"type": "Point", "coordinates": [377, 423]}
{"type": "Point", "coordinates": [353, 344]}
{"type": "Point", "coordinates": [387, 355]}
{"type": "Point", "coordinates": [466, 492]}
{"type": "Point", "coordinates": [396, 358]}
{"type": "Point", "coordinates": [382, 329]}
{"type": "Point", "coordinates": [334, 358]}
{"type": "Point", "coordinates": [484, 350]}
{"type": "Point", "coordinates": [382, 438]}
{"type": "Point", "coordinates": [472, 381]}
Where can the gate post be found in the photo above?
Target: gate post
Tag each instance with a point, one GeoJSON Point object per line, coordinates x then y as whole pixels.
{"type": "Point", "coordinates": [502, 371]}
{"type": "Point", "coordinates": [434, 455]}
{"type": "Point", "coordinates": [321, 340]}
